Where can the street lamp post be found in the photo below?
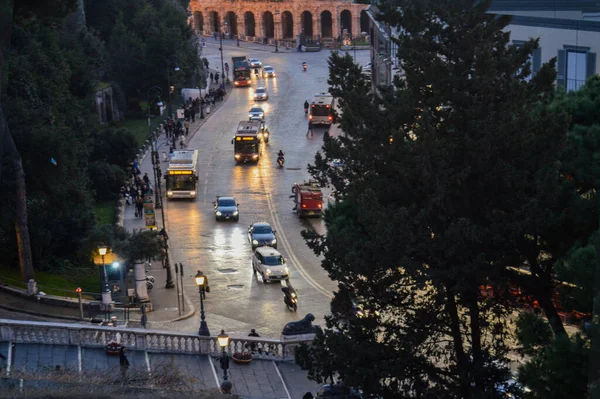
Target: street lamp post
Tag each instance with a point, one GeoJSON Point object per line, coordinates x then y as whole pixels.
{"type": "Point", "coordinates": [221, 50]}
{"type": "Point", "coordinates": [154, 93]}
{"type": "Point", "coordinates": [106, 294]}
{"type": "Point", "coordinates": [102, 251]}
{"type": "Point", "coordinates": [275, 31]}
{"type": "Point", "coordinates": [171, 62]}
{"type": "Point", "coordinates": [223, 341]}
{"type": "Point", "coordinates": [202, 283]}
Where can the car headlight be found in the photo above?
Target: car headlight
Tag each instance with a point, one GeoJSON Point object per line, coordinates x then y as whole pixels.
{"type": "Point", "coordinates": [254, 242]}
{"type": "Point", "coordinates": [255, 156]}
{"type": "Point", "coordinates": [250, 116]}
{"type": "Point", "coordinates": [237, 156]}
{"type": "Point", "coordinates": [192, 193]}
{"type": "Point", "coordinates": [274, 241]}
{"type": "Point", "coordinates": [268, 271]}
{"type": "Point", "coordinates": [293, 295]}
{"type": "Point", "coordinates": [286, 270]}
{"type": "Point", "coordinates": [169, 193]}
{"type": "Point", "coordinates": [235, 213]}
{"type": "Point", "coordinates": [219, 213]}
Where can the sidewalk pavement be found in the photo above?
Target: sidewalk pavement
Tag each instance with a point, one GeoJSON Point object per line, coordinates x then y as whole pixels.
{"type": "Point", "coordinates": [165, 301]}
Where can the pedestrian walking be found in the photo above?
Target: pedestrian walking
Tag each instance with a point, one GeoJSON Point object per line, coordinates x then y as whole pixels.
{"type": "Point", "coordinates": [146, 179]}
{"type": "Point", "coordinates": [186, 113]}
{"type": "Point", "coordinates": [309, 131]}
{"type": "Point", "coordinates": [182, 142]}
{"type": "Point", "coordinates": [212, 100]}
{"type": "Point", "coordinates": [187, 127]}
{"type": "Point", "coordinates": [217, 76]}
{"type": "Point", "coordinates": [139, 207]}
{"type": "Point", "coordinates": [212, 77]}
{"type": "Point", "coordinates": [193, 112]}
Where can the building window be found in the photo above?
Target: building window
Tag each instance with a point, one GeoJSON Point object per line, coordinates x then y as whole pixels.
{"type": "Point", "coordinates": [575, 64]}
{"type": "Point", "coordinates": [535, 59]}
{"type": "Point", "coordinates": [576, 69]}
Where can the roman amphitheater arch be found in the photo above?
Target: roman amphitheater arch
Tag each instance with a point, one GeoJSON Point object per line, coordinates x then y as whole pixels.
{"type": "Point", "coordinates": [282, 20]}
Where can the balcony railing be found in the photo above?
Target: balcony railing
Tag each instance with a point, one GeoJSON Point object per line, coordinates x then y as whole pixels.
{"type": "Point", "coordinates": [141, 339]}
{"type": "Point", "coordinates": [574, 84]}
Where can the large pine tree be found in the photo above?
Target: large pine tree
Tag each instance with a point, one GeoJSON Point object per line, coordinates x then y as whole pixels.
{"type": "Point", "coordinates": [442, 178]}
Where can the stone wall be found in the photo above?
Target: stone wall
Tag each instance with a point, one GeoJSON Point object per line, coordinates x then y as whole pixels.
{"type": "Point", "coordinates": [280, 20]}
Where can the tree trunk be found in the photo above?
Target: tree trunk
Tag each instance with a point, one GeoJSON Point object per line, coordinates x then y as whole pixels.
{"type": "Point", "coordinates": [462, 363]}
{"type": "Point", "coordinates": [476, 340]}
{"type": "Point", "coordinates": [21, 226]}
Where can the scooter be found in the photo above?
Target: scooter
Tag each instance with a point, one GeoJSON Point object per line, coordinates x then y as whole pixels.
{"type": "Point", "coordinates": [290, 298]}
{"type": "Point", "coordinates": [305, 111]}
{"type": "Point", "coordinates": [304, 66]}
{"type": "Point", "coordinates": [280, 161]}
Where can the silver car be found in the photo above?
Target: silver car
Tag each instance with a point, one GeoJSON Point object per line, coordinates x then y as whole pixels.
{"type": "Point", "coordinates": [256, 113]}
{"type": "Point", "coordinates": [268, 72]}
{"type": "Point", "coordinates": [261, 93]}
{"type": "Point", "coordinates": [255, 62]}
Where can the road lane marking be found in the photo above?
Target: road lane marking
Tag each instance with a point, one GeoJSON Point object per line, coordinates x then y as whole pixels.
{"type": "Point", "coordinates": [282, 381]}
{"type": "Point", "coordinates": [288, 247]}
{"type": "Point", "coordinates": [80, 366]}
{"type": "Point", "coordinates": [212, 366]}
{"type": "Point", "coordinates": [9, 358]}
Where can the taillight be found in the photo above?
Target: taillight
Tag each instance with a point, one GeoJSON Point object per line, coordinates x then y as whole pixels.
{"type": "Point", "coordinates": [330, 117]}
{"type": "Point", "coordinates": [309, 116]}
{"type": "Point", "coordinates": [303, 205]}
{"type": "Point", "coordinates": [320, 205]}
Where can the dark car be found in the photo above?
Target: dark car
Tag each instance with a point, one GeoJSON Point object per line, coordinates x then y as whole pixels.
{"type": "Point", "coordinates": [261, 234]}
{"type": "Point", "coordinates": [338, 391]}
{"type": "Point", "coordinates": [226, 209]}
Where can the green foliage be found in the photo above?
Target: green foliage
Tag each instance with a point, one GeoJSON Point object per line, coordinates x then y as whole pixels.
{"type": "Point", "coordinates": [140, 246]}
{"type": "Point", "coordinates": [446, 179]}
{"type": "Point", "coordinates": [533, 332]}
{"type": "Point", "coordinates": [558, 370]}
{"type": "Point", "coordinates": [317, 361]}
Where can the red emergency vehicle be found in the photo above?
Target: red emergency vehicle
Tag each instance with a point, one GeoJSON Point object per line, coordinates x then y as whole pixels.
{"type": "Point", "coordinates": [308, 198]}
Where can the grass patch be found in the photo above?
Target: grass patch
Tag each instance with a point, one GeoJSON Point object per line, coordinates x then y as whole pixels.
{"type": "Point", "coordinates": [139, 127]}
{"type": "Point", "coordinates": [106, 212]}
{"type": "Point", "coordinates": [63, 284]}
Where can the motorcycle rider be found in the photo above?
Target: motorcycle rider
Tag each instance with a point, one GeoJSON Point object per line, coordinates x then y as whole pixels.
{"type": "Point", "coordinates": [280, 156]}
{"type": "Point", "coordinates": [304, 65]}
{"type": "Point", "coordinates": [289, 293]}
{"type": "Point", "coordinates": [306, 105]}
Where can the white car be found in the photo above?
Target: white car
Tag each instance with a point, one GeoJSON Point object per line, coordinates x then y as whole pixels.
{"type": "Point", "coordinates": [270, 264]}
{"type": "Point", "coordinates": [255, 63]}
{"type": "Point", "coordinates": [261, 93]}
{"type": "Point", "coordinates": [256, 113]}
{"type": "Point", "coordinates": [268, 71]}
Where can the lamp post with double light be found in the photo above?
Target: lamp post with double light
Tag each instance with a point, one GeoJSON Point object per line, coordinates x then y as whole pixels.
{"type": "Point", "coordinates": [277, 13]}
{"type": "Point", "coordinates": [223, 341]}
{"type": "Point", "coordinates": [202, 283]}
{"type": "Point", "coordinates": [221, 50]}
{"type": "Point", "coordinates": [171, 63]}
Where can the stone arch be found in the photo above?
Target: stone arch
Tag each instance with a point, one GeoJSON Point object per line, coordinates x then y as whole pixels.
{"type": "Point", "coordinates": [287, 25]}
{"type": "Point", "coordinates": [326, 24]}
{"type": "Point", "coordinates": [249, 24]}
{"type": "Point", "coordinates": [198, 20]}
{"type": "Point", "coordinates": [364, 21]}
{"type": "Point", "coordinates": [345, 22]}
{"type": "Point", "coordinates": [215, 23]}
{"type": "Point", "coordinates": [268, 25]}
{"type": "Point", "coordinates": [306, 23]}
{"type": "Point", "coordinates": [231, 19]}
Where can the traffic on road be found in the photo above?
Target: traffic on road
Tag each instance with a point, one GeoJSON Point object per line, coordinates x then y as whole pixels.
{"type": "Point", "coordinates": [265, 187]}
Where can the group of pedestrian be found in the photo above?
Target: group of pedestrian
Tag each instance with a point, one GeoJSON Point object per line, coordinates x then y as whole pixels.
{"type": "Point", "coordinates": [133, 191]}
{"type": "Point", "coordinates": [214, 77]}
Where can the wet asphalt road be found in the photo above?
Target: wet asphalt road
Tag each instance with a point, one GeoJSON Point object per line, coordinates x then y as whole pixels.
{"type": "Point", "coordinates": [238, 300]}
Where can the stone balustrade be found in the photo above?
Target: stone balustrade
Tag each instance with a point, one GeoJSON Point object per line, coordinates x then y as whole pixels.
{"type": "Point", "coordinates": [141, 339]}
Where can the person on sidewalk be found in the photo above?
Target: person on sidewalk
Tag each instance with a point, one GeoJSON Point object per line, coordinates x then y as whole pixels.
{"type": "Point", "coordinates": [213, 100]}
{"type": "Point", "coordinates": [252, 346]}
{"type": "Point", "coordinates": [217, 76]}
{"type": "Point", "coordinates": [139, 207]}
{"type": "Point", "coordinates": [186, 113]}
{"type": "Point", "coordinates": [193, 112]}
{"type": "Point", "coordinates": [212, 77]}
{"type": "Point", "coordinates": [123, 362]}
{"type": "Point", "coordinates": [146, 179]}
{"type": "Point", "coordinates": [187, 127]}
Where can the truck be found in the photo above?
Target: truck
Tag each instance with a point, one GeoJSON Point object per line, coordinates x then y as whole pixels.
{"type": "Point", "coordinates": [246, 142]}
{"type": "Point", "coordinates": [308, 198]}
{"type": "Point", "coordinates": [241, 71]}
{"type": "Point", "coordinates": [182, 174]}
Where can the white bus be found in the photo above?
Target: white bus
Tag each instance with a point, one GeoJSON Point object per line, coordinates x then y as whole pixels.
{"type": "Point", "coordinates": [321, 109]}
{"type": "Point", "coordinates": [182, 176]}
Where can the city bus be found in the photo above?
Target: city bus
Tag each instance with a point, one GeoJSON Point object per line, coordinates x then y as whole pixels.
{"type": "Point", "coordinates": [241, 72]}
{"type": "Point", "coordinates": [182, 175]}
{"type": "Point", "coordinates": [246, 143]}
{"type": "Point", "coordinates": [321, 109]}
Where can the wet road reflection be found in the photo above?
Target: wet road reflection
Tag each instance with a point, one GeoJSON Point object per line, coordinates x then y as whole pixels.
{"type": "Point", "coordinates": [238, 300]}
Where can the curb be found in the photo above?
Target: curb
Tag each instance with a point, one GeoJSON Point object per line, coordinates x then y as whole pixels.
{"type": "Point", "coordinates": [11, 309]}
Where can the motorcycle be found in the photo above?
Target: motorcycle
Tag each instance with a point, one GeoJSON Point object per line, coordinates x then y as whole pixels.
{"type": "Point", "coordinates": [305, 111]}
{"type": "Point", "coordinates": [290, 298]}
{"type": "Point", "coordinates": [304, 66]}
{"type": "Point", "coordinates": [280, 161]}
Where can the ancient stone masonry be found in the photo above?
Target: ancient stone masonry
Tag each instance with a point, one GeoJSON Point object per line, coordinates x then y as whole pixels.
{"type": "Point", "coordinates": [264, 20]}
